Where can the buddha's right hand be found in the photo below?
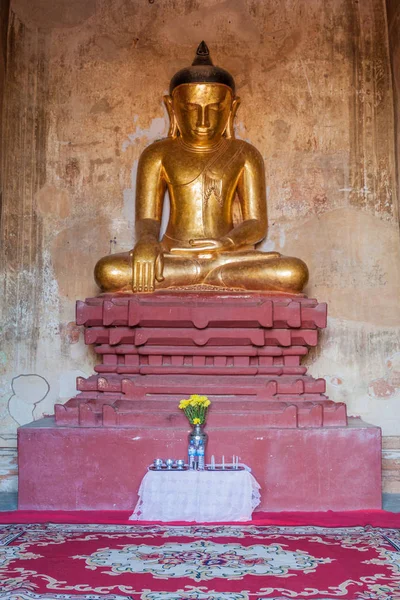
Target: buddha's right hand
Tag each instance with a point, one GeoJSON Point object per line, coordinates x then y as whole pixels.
{"type": "Point", "coordinates": [146, 266]}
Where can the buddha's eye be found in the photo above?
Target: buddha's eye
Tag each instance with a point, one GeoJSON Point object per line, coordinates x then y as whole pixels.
{"type": "Point", "coordinates": [189, 106]}
{"type": "Point", "coordinates": [217, 106]}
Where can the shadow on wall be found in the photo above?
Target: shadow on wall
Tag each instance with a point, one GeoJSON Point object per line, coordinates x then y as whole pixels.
{"type": "Point", "coordinates": [28, 392]}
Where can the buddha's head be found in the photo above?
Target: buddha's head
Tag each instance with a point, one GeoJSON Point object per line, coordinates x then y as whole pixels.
{"type": "Point", "coordinates": [202, 102]}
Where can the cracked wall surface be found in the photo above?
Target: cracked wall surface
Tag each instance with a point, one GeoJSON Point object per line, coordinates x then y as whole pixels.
{"type": "Point", "coordinates": [83, 98]}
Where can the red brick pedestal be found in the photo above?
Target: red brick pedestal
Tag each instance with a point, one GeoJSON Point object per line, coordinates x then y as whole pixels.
{"type": "Point", "coordinates": [244, 351]}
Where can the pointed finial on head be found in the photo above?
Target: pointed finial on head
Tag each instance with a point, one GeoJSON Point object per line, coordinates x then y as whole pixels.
{"type": "Point", "coordinates": [202, 55]}
{"type": "Point", "coordinates": [202, 70]}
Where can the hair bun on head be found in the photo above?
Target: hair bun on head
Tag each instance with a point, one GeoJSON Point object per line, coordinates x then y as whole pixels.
{"type": "Point", "coordinates": [202, 70]}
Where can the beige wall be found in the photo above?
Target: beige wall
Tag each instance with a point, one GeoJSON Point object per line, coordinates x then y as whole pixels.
{"type": "Point", "coordinates": [84, 97]}
{"type": "Point", "coordinates": [393, 18]}
{"type": "Point", "coordinates": [4, 12]}
{"type": "Point", "coordinates": [391, 455]}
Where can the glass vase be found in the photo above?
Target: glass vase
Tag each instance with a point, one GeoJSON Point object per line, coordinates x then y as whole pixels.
{"type": "Point", "coordinates": [199, 438]}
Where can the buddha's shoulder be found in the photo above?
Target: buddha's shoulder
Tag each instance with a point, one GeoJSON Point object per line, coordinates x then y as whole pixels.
{"type": "Point", "coordinates": [249, 151]}
{"type": "Point", "coordinates": [157, 149]}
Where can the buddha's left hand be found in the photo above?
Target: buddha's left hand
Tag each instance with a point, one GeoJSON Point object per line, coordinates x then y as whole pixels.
{"type": "Point", "coordinates": [206, 245]}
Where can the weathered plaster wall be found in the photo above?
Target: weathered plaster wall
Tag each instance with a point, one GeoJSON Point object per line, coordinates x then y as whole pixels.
{"type": "Point", "coordinates": [84, 97]}
{"type": "Point", "coordinates": [393, 17]}
{"type": "Point", "coordinates": [391, 453]}
{"type": "Point", "coordinates": [4, 12]}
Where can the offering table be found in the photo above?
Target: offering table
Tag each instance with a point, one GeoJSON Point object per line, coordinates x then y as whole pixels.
{"type": "Point", "coordinates": [201, 496]}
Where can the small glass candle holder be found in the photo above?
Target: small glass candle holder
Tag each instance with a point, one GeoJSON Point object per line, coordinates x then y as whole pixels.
{"type": "Point", "coordinates": [170, 463]}
{"type": "Point", "coordinates": [158, 463]}
{"type": "Point", "coordinates": [180, 464]}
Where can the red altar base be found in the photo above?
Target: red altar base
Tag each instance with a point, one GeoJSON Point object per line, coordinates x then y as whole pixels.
{"type": "Point", "coordinates": [241, 349]}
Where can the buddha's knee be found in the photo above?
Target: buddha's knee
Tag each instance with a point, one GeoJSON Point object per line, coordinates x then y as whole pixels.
{"type": "Point", "coordinates": [300, 274]}
{"type": "Point", "coordinates": [282, 273]}
{"type": "Point", "coordinates": [113, 273]}
{"type": "Point", "coordinates": [291, 273]}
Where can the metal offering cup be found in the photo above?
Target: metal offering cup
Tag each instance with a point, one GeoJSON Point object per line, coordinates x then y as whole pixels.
{"type": "Point", "coordinates": [180, 464]}
{"type": "Point", "coordinates": [158, 463]}
{"type": "Point", "coordinates": [170, 463]}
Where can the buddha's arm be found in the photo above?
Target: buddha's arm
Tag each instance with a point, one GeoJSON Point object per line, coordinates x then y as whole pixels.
{"type": "Point", "coordinates": [150, 190]}
{"type": "Point", "coordinates": [252, 196]}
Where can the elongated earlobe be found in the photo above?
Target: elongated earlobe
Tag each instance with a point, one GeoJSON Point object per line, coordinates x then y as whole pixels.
{"type": "Point", "coordinates": [229, 131]}
{"type": "Point", "coordinates": [173, 127]}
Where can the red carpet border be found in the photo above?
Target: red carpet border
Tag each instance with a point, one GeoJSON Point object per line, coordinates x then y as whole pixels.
{"type": "Point", "coordinates": [375, 518]}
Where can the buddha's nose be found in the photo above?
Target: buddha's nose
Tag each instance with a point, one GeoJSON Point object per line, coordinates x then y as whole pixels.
{"type": "Point", "coordinates": [202, 117]}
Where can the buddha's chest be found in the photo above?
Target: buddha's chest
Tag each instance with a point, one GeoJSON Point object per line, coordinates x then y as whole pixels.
{"type": "Point", "coordinates": [217, 172]}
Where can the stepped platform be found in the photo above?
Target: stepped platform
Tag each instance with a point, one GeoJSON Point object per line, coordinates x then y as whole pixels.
{"type": "Point", "coordinates": [243, 350]}
{"type": "Point", "coordinates": [233, 347]}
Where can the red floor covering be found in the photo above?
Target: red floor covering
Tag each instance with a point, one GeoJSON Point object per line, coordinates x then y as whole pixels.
{"type": "Point", "coordinates": [375, 518]}
{"type": "Point", "coordinates": [256, 561]}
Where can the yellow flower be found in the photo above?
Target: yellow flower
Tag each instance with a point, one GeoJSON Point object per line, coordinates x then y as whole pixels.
{"type": "Point", "coordinates": [184, 404]}
{"type": "Point", "coordinates": [196, 421]}
{"type": "Point", "coordinates": [197, 400]}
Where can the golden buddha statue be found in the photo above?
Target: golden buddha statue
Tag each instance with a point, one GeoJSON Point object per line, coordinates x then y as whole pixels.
{"type": "Point", "coordinates": [218, 211]}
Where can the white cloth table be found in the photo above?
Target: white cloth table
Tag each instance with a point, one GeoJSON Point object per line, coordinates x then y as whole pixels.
{"type": "Point", "coordinates": [202, 496]}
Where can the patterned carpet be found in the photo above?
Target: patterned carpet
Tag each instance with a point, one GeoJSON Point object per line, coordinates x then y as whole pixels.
{"type": "Point", "coordinates": [197, 562]}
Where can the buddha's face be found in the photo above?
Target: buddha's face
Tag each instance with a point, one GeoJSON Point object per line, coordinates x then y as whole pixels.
{"type": "Point", "coordinates": [202, 111]}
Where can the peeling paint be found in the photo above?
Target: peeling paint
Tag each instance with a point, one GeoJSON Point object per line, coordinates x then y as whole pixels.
{"type": "Point", "coordinates": [391, 454]}
{"type": "Point", "coordinates": [380, 388]}
{"type": "Point", "coordinates": [336, 380]}
{"type": "Point", "coordinates": [158, 129]}
{"type": "Point", "coordinates": [28, 392]}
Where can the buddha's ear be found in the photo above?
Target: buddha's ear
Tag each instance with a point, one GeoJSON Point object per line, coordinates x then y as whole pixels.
{"type": "Point", "coordinates": [173, 127]}
{"type": "Point", "coordinates": [229, 131]}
